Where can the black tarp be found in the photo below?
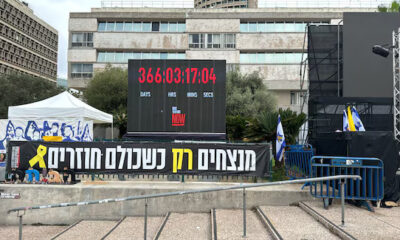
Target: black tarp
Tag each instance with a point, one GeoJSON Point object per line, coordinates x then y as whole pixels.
{"type": "Point", "coordinates": [378, 144]}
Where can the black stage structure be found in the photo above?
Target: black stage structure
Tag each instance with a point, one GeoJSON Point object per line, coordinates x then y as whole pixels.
{"type": "Point", "coordinates": [328, 47]}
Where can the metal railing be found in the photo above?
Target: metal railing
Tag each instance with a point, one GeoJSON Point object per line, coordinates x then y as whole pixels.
{"type": "Point", "coordinates": [369, 188]}
{"type": "Point", "coordinates": [322, 3]}
{"type": "Point", "coordinates": [298, 161]}
{"type": "Point", "coordinates": [147, 4]}
{"type": "Point", "coordinates": [180, 193]}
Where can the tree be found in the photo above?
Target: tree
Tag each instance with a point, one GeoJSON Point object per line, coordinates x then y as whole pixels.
{"type": "Point", "coordinates": [108, 91]}
{"type": "Point", "coordinates": [18, 89]}
{"type": "Point", "coordinates": [394, 7]}
{"type": "Point", "coordinates": [247, 96]}
{"type": "Point", "coordinates": [263, 128]}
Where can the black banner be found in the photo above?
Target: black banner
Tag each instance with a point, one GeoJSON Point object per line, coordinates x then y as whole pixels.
{"type": "Point", "coordinates": [142, 158]}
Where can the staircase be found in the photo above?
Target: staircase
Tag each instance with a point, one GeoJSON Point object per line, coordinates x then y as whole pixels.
{"type": "Point", "coordinates": [307, 220]}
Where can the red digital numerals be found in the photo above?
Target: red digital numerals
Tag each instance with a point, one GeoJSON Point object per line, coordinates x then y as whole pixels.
{"type": "Point", "coordinates": [177, 75]}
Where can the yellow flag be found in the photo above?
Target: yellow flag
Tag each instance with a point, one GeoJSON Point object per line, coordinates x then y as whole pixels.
{"type": "Point", "coordinates": [350, 118]}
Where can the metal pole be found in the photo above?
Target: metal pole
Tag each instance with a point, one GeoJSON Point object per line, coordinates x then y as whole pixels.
{"type": "Point", "coordinates": [244, 212]}
{"type": "Point", "coordinates": [342, 182]}
{"type": "Point", "coordinates": [145, 219]}
{"type": "Point", "coordinates": [20, 226]}
{"type": "Point", "coordinates": [338, 58]}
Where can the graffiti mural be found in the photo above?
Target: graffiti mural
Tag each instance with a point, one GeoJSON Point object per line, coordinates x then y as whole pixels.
{"type": "Point", "coordinates": [72, 130]}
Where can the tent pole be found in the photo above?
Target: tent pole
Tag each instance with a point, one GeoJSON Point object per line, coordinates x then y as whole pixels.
{"type": "Point", "coordinates": [112, 130]}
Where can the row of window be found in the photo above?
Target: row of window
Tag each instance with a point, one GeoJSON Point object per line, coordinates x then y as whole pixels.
{"type": "Point", "coordinates": [81, 70]}
{"type": "Point", "coordinates": [27, 42]}
{"type": "Point", "coordinates": [272, 58]}
{"type": "Point", "coordinates": [25, 59]}
{"type": "Point", "coordinates": [141, 27]}
{"type": "Point", "coordinates": [122, 57]}
{"type": "Point", "coordinates": [27, 24]}
{"type": "Point", "coordinates": [209, 40]}
{"type": "Point", "coordinates": [82, 39]}
{"type": "Point", "coordinates": [275, 26]}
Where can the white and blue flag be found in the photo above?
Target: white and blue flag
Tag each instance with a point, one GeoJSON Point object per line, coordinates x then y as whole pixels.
{"type": "Point", "coordinates": [345, 122]}
{"type": "Point", "coordinates": [280, 140]}
{"type": "Point", "coordinates": [357, 121]}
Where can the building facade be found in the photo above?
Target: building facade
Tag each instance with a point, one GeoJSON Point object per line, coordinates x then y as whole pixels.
{"type": "Point", "coordinates": [27, 44]}
{"type": "Point", "coordinates": [268, 41]}
{"type": "Point", "coordinates": [225, 3]}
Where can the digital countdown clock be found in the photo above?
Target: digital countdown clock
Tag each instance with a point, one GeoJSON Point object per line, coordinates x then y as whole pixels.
{"type": "Point", "coordinates": [182, 99]}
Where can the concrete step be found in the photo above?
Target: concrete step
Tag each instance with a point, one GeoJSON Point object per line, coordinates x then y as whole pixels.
{"type": "Point", "coordinates": [360, 223]}
{"type": "Point", "coordinates": [88, 230]}
{"type": "Point", "coordinates": [229, 225]}
{"type": "Point", "coordinates": [133, 228]}
{"type": "Point", "coordinates": [292, 222]}
{"type": "Point", "coordinates": [30, 232]}
{"type": "Point", "coordinates": [187, 226]}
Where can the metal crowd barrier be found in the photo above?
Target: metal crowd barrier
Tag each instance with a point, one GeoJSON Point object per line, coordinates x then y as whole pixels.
{"type": "Point", "coordinates": [297, 161]}
{"type": "Point", "coordinates": [22, 210]}
{"type": "Point", "coordinates": [370, 187]}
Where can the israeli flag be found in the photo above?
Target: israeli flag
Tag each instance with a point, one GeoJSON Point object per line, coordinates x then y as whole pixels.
{"type": "Point", "coordinates": [345, 122]}
{"type": "Point", "coordinates": [357, 120]}
{"type": "Point", "coordinates": [280, 140]}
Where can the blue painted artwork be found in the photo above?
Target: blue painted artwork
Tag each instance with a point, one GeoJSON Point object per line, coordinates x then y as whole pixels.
{"type": "Point", "coordinates": [35, 130]}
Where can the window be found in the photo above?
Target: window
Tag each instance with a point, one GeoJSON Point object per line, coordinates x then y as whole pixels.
{"type": "Point", "coordinates": [119, 26]}
{"type": "Point", "coordinates": [164, 27]}
{"type": "Point", "coordinates": [102, 26]}
{"type": "Point", "coordinates": [110, 26]}
{"type": "Point", "coordinates": [155, 27]}
{"type": "Point", "coordinates": [296, 98]}
{"type": "Point", "coordinates": [196, 40]}
{"type": "Point", "coordinates": [137, 27]}
{"type": "Point", "coordinates": [82, 39]}
{"type": "Point", "coordinates": [81, 70]}
{"type": "Point", "coordinates": [212, 40]}
{"type": "Point", "coordinates": [146, 27]}
{"type": "Point", "coordinates": [123, 57]}
{"type": "Point", "coordinates": [142, 26]}
{"type": "Point", "coordinates": [276, 26]}
{"type": "Point", "coordinates": [272, 58]}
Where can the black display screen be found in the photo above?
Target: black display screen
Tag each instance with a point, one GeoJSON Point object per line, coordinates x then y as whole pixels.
{"type": "Point", "coordinates": [176, 96]}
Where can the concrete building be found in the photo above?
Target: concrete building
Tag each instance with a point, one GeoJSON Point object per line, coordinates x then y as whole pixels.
{"type": "Point", "coordinates": [225, 3]}
{"type": "Point", "coordinates": [268, 41]}
{"type": "Point", "coordinates": [27, 43]}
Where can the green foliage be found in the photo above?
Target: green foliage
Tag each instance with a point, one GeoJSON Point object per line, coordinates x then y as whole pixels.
{"type": "Point", "coordinates": [263, 128]}
{"type": "Point", "coordinates": [18, 89]}
{"type": "Point", "coordinates": [394, 7]}
{"type": "Point", "coordinates": [108, 91]}
{"type": "Point", "coordinates": [246, 95]}
{"type": "Point", "coordinates": [235, 127]}
{"type": "Point", "coordinates": [278, 174]}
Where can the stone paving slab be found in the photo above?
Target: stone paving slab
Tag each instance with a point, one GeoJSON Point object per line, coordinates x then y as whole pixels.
{"type": "Point", "coordinates": [30, 232]}
{"type": "Point", "coordinates": [88, 230]}
{"type": "Point", "coordinates": [230, 225]}
{"type": "Point", "coordinates": [187, 226]}
{"type": "Point", "coordinates": [293, 223]}
{"type": "Point", "coordinates": [383, 224]}
{"type": "Point", "coordinates": [133, 228]}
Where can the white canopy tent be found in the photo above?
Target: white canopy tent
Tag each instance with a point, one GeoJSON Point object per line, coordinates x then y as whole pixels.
{"type": "Point", "coordinates": [63, 105]}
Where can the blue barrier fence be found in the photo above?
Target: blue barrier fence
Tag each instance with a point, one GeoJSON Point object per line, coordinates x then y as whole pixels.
{"type": "Point", "coordinates": [370, 170]}
{"type": "Point", "coordinates": [297, 161]}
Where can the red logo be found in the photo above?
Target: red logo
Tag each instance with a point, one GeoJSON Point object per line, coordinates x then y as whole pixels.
{"type": "Point", "coordinates": [178, 118]}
